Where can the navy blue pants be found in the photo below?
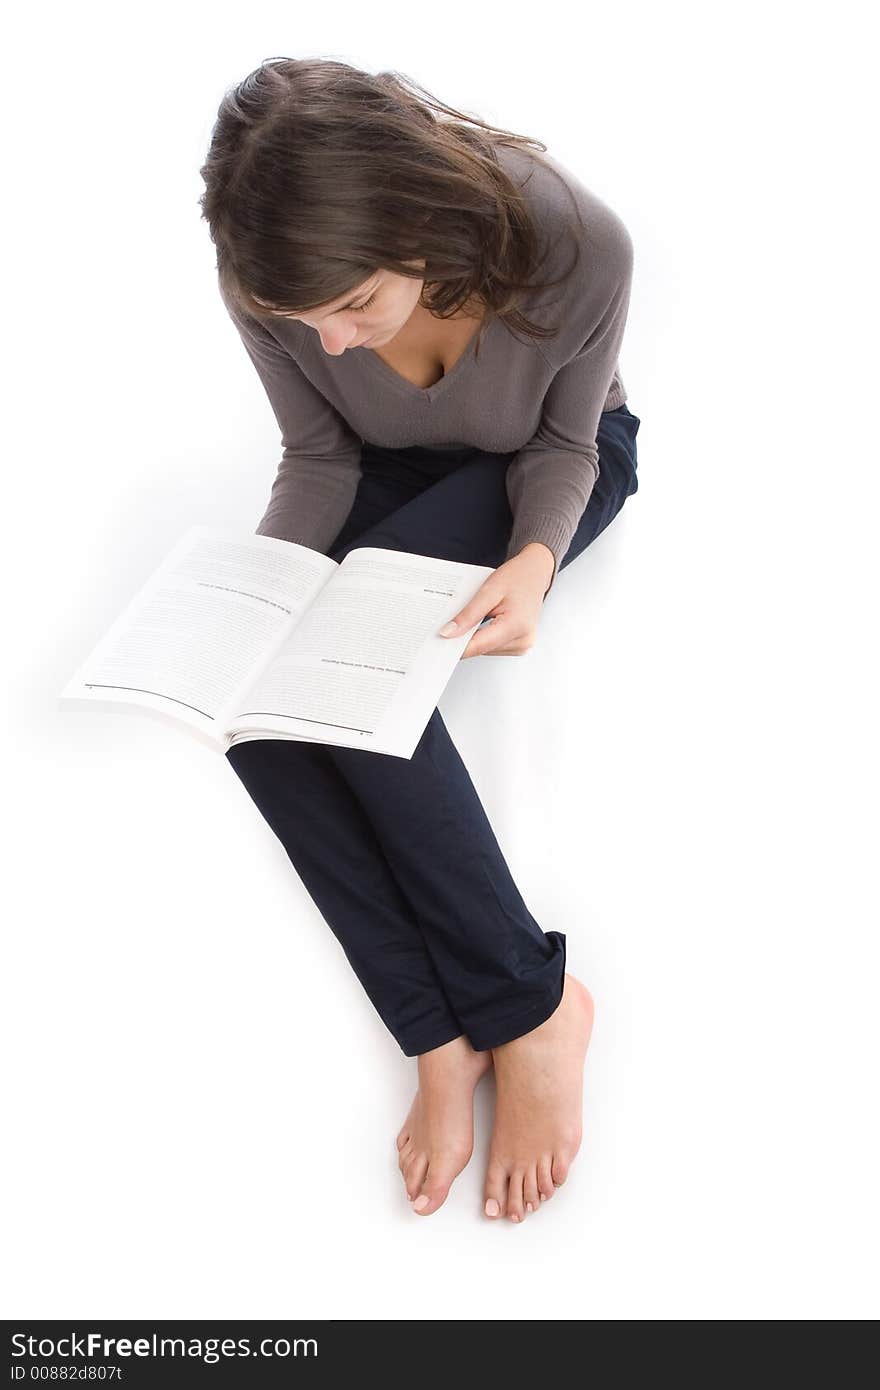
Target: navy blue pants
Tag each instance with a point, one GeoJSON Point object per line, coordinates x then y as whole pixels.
{"type": "Point", "coordinates": [398, 854]}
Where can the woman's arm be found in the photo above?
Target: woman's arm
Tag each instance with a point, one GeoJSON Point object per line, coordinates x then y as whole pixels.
{"type": "Point", "coordinates": [317, 478]}
{"type": "Point", "coordinates": [550, 480]}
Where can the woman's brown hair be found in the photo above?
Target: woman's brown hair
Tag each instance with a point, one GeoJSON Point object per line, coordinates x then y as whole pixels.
{"type": "Point", "coordinates": [318, 174]}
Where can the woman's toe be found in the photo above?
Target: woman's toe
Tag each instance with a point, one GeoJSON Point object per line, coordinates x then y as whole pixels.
{"type": "Point", "coordinates": [531, 1195]}
{"type": "Point", "coordinates": [545, 1177]}
{"type": "Point", "coordinates": [435, 1189]}
{"type": "Point", "coordinates": [561, 1165]}
{"type": "Point", "coordinates": [495, 1195]}
{"type": "Point", "coordinates": [515, 1205]}
{"type": "Point", "coordinates": [414, 1175]}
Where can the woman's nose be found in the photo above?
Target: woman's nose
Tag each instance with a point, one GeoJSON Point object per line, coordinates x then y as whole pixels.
{"type": "Point", "coordinates": [336, 342]}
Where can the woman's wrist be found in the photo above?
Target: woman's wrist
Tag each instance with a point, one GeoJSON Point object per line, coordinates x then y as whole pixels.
{"type": "Point", "coordinates": [541, 558]}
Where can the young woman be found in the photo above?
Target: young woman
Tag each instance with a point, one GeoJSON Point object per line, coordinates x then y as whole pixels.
{"type": "Point", "coordinates": [436, 314]}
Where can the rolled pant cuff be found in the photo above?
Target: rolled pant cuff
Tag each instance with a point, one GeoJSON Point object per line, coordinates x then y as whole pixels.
{"type": "Point", "coordinates": [415, 1045]}
{"type": "Point", "coordinates": [491, 1034]}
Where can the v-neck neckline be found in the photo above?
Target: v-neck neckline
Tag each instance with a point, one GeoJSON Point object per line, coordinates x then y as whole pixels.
{"type": "Point", "coordinates": [431, 392]}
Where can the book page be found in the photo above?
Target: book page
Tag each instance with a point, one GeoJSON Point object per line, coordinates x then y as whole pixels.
{"type": "Point", "coordinates": [203, 627]}
{"type": "Point", "coordinates": [365, 666]}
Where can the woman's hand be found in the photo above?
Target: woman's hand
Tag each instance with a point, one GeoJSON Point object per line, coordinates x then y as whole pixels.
{"type": "Point", "coordinates": [512, 596]}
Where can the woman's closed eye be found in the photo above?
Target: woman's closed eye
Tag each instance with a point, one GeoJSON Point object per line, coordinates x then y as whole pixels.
{"type": "Point", "coordinates": [359, 308]}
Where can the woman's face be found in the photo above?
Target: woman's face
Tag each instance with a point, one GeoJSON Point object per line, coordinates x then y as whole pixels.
{"type": "Point", "coordinates": [368, 317]}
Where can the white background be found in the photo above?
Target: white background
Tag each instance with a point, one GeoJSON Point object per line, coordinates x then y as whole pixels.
{"type": "Point", "coordinates": [202, 1104]}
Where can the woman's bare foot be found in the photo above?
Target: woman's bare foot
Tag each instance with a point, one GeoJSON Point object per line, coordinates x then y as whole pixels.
{"type": "Point", "coordinates": [437, 1137]}
{"type": "Point", "coordinates": [539, 1107]}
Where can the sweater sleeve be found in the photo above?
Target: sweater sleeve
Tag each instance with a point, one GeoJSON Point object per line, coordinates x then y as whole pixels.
{"type": "Point", "coordinates": [316, 482]}
{"type": "Point", "coordinates": [550, 479]}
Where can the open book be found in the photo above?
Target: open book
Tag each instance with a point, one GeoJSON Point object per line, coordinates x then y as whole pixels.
{"type": "Point", "coordinates": [243, 636]}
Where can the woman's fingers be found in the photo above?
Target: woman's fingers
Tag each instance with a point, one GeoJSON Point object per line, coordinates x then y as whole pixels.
{"type": "Point", "coordinates": [497, 638]}
{"type": "Point", "coordinates": [487, 597]}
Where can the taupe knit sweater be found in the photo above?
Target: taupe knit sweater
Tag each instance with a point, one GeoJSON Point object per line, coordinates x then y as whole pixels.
{"type": "Point", "coordinates": [540, 398]}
